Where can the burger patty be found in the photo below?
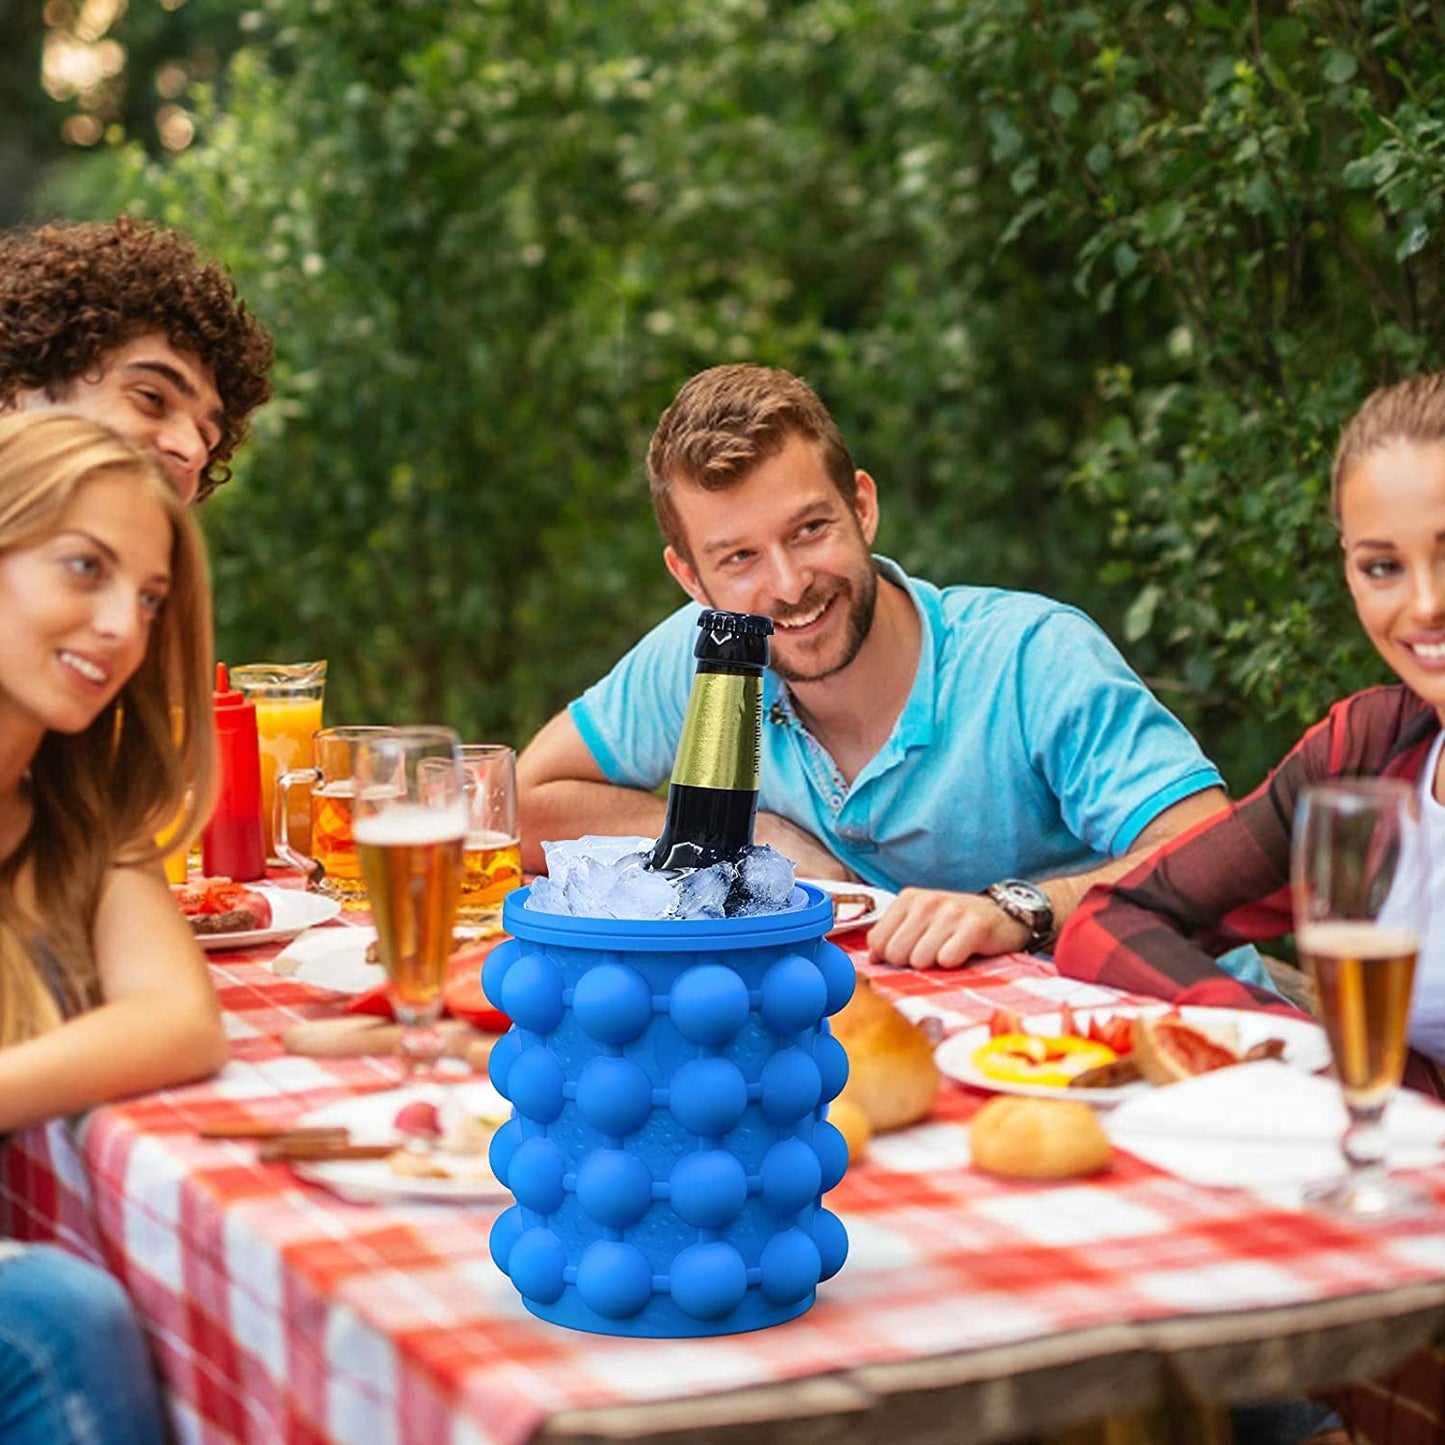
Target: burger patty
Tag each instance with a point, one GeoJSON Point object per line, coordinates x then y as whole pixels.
{"type": "Point", "coordinates": [237, 920]}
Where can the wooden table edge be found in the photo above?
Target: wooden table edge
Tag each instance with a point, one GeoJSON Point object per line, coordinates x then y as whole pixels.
{"type": "Point", "coordinates": [1046, 1384]}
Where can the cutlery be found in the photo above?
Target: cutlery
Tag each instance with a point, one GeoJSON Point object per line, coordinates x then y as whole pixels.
{"type": "Point", "coordinates": [244, 1129]}
{"type": "Point", "coordinates": [281, 1150]}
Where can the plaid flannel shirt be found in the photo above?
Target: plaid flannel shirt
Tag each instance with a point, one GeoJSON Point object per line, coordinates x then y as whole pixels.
{"type": "Point", "coordinates": [1225, 882]}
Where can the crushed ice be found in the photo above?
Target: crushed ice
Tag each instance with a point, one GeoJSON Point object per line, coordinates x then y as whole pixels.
{"type": "Point", "coordinates": [607, 877]}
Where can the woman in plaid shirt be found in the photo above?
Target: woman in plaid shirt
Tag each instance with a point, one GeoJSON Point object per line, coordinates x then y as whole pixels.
{"type": "Point", "coordinates": [1159, 928]}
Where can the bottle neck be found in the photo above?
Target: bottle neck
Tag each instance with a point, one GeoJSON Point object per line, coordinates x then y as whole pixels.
{"type": "Point", "coordinates": [721, 738]}
{"type": "Point", "coordinates": [712, 801]}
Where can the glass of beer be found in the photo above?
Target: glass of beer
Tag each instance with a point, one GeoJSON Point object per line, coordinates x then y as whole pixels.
{"type": "Point", "coordinates": [1357, 877]}
{"type": "Point", "coordinates": [492, 865]}
{"type": "Point", "coordinates": [410, 828]}
{"type": "Point", "coordinates": [332, 864]}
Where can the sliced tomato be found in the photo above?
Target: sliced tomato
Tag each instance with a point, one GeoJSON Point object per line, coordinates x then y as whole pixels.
{"type": "Point", "coordinates": [465, 1000]}
{"type": "Point", "coordinates": [463, 995]}
{"type": "Point", "coordinates": [1004, 1021]}
{"type": "Point", "coordinates": [1069, 1023]}
{"type": "Point", "coordinates": [373, 1001]}
{"type": "Point", "coordinates": [1113, 1032]}
{"type": "Point", "coordinates": [209, 895]}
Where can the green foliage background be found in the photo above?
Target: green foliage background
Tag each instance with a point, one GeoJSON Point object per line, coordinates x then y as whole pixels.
{"type": "Point", "coordinates": [1089, 287]}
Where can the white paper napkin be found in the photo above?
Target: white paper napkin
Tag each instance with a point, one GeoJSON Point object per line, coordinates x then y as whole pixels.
{"type": "Point", "coordinates": [1264, 1126]}
{"type": "Point", "coordinates": [331, 958]}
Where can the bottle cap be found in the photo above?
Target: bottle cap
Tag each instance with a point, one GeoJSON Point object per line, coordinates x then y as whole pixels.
{"type": "Point", "coordinates": [223, 696]}
{"type": "Point", "coordinates": [733, 639]}
{"type": "Point", "coordinates": [735, 622]}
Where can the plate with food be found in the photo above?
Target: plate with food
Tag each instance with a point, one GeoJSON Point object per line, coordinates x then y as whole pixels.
{"type": "Point", "coordinates": [1105, 1055]}
{"type": "Point", "coordinates": [226, 914]}
{"type": "Point", "coordinates": [459, 1120]}
{"type": "Point", "coordinates": [855, 905]}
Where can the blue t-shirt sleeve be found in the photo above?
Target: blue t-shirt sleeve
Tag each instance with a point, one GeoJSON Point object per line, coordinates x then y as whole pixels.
{"type": "Point", "coordinates": [631, 719]}
{"type": "Point", "coordinates": [1113, 754]}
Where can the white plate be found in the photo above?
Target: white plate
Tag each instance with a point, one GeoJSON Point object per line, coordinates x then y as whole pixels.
{"type": "Point", "coordinates": [370, 1118]}
{"type": "Point", "coordinates": [879, 897]}
{"type": "Point", "coordinates": [331, 958]}
{"type": "Point", "coordinates": [291, 911]}
{"type": "Point", "coordinates": [1305, 1047]}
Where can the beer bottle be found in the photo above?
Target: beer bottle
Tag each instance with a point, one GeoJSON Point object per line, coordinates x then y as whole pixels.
{"type": "Point", "coordinates": [712, 801]}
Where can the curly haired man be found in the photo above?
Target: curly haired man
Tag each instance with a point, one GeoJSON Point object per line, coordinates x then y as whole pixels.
{"type": "Point", "coordinates": [128, 324]}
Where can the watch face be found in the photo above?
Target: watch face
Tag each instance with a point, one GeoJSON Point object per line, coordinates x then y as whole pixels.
{"type": "Point", "coordinates": [1028, 904]}
{"type": "Point", "coordinates": [1021, 896]}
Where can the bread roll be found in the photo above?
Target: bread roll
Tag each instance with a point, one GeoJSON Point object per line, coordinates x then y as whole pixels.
{"type": "Point", "coordinates": [1038, 1139]}
{"type": "Point", "coordinates": [891, 1073]}
{"type": "Point", "coordinates": [852, 1123]}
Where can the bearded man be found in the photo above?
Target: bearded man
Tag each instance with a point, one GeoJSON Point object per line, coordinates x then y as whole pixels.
{"type": "Point", "coordinates": [987, 752]}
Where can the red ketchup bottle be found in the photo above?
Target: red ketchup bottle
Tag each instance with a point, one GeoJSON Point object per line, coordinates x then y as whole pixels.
{"type": "Point", "coordinates": [231, 845]}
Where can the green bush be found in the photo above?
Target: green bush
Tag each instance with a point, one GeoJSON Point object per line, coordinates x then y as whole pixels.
{"type": "Point", "coordinates": [1089, 288]}
{"type": "Point", "coordinates": [1250, 198]}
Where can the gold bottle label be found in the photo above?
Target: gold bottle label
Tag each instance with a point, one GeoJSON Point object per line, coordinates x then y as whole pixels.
{"type": "Point", "coordinates": [719, 746]}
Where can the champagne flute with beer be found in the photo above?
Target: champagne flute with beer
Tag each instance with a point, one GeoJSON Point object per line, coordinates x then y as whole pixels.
{"type": "Point", "coordinates": [1357, 877]}
{"type": "Point", "coordinates": [410, 826]}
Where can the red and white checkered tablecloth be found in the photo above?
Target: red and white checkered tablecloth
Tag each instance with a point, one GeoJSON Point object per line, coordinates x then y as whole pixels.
{"type": "Point", "coordinates": [279, 1312]}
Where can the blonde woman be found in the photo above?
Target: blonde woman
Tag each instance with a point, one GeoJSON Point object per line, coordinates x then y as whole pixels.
{"type": "Point", "coordinates": [105, 739]}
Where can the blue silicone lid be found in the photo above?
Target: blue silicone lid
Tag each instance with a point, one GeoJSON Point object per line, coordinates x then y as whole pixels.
{"type": "Point", "coordinates": [809, 916]}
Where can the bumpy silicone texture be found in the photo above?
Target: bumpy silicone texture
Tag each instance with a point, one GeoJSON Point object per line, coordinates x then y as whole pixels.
{"type": "Point", "coordinates": [668, 1150]}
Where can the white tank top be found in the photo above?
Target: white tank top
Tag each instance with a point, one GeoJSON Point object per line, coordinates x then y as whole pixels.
{"type": "Point", "coordinates": [1427, 1012]}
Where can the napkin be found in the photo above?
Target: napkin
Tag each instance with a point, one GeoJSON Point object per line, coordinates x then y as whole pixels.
{"type": "Point", "coordinates": [333, 958]}
{"type": "Point", "coordinates": [1264, 1126]}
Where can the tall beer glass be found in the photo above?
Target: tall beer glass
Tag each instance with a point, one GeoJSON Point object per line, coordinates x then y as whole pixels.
{"type": "Point", "coordinates": [410, 825]}
{"type": "Point", "coordinates": [1357, 877]}
{"type": "Point", "coordinates": [492, 865]}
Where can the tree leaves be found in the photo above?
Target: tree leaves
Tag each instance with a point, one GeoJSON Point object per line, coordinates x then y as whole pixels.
{"type": "Point", "coordinates": [1090, 289]}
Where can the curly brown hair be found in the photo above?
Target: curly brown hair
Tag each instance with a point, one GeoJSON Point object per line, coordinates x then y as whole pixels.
{"type": "Point", "coordinates": [69, 294]}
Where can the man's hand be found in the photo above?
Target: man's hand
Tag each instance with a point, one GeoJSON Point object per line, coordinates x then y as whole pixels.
{"type": "Point", "coordinates": [928, 928]}
{"type": "Point", "coordinates": [811, 858]}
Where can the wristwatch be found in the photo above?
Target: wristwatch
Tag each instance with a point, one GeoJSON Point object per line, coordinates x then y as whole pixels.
{"type": "Point", "coordinates": [1025, 903]}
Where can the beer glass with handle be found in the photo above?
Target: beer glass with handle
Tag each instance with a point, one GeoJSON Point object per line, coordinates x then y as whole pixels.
{"type": "Point", "coordinates": [492, 864]}
{"type": "Point", "coordinates": [410, 826]}
{"type": "Point", "coordinates": [1357, 878]}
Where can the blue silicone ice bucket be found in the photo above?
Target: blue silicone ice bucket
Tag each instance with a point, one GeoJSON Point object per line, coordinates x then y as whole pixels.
{"type": "Point", "coordinates": [667, 1149]}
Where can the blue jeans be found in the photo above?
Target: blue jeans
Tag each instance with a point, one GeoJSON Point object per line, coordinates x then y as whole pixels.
{"type": "Point", "coordinates": [1280, 1422]}
{"type": "Point", "coordinates": [73, 1363]}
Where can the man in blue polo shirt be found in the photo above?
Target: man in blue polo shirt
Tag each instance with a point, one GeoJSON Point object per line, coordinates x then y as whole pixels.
{"type": "Point", "coordinates": [990, 753]}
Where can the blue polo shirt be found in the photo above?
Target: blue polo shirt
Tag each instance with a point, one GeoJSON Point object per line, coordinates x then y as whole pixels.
{"type": "Point", "coordinates": [1028, 747]}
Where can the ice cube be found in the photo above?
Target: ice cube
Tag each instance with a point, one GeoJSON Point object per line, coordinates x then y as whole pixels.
{"type": "Point", "coordinates": [546, 897]}
{"type": "Point", "coordinates": [606, 877]}
{"type": "Point", "coordinates": [703, 893]}
{"type": "Point", "coordinates": [638, 892]}
{"type": "Point", "coordinates": [567, 854]}
{"type": "Point", "coordinates": [765, 881]}
{"type": "Point", "coordinates": [587, 887]}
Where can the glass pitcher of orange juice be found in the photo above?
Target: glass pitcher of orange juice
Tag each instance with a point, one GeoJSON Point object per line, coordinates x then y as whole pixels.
{"type": "Point", "coordinates": [288, 698]}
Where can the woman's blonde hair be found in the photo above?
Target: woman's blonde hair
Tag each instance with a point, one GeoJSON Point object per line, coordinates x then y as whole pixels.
{"type": "Point", "coordinates": [1412, 410]}
{"type": "Point", "coordinates": [144, 765]}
